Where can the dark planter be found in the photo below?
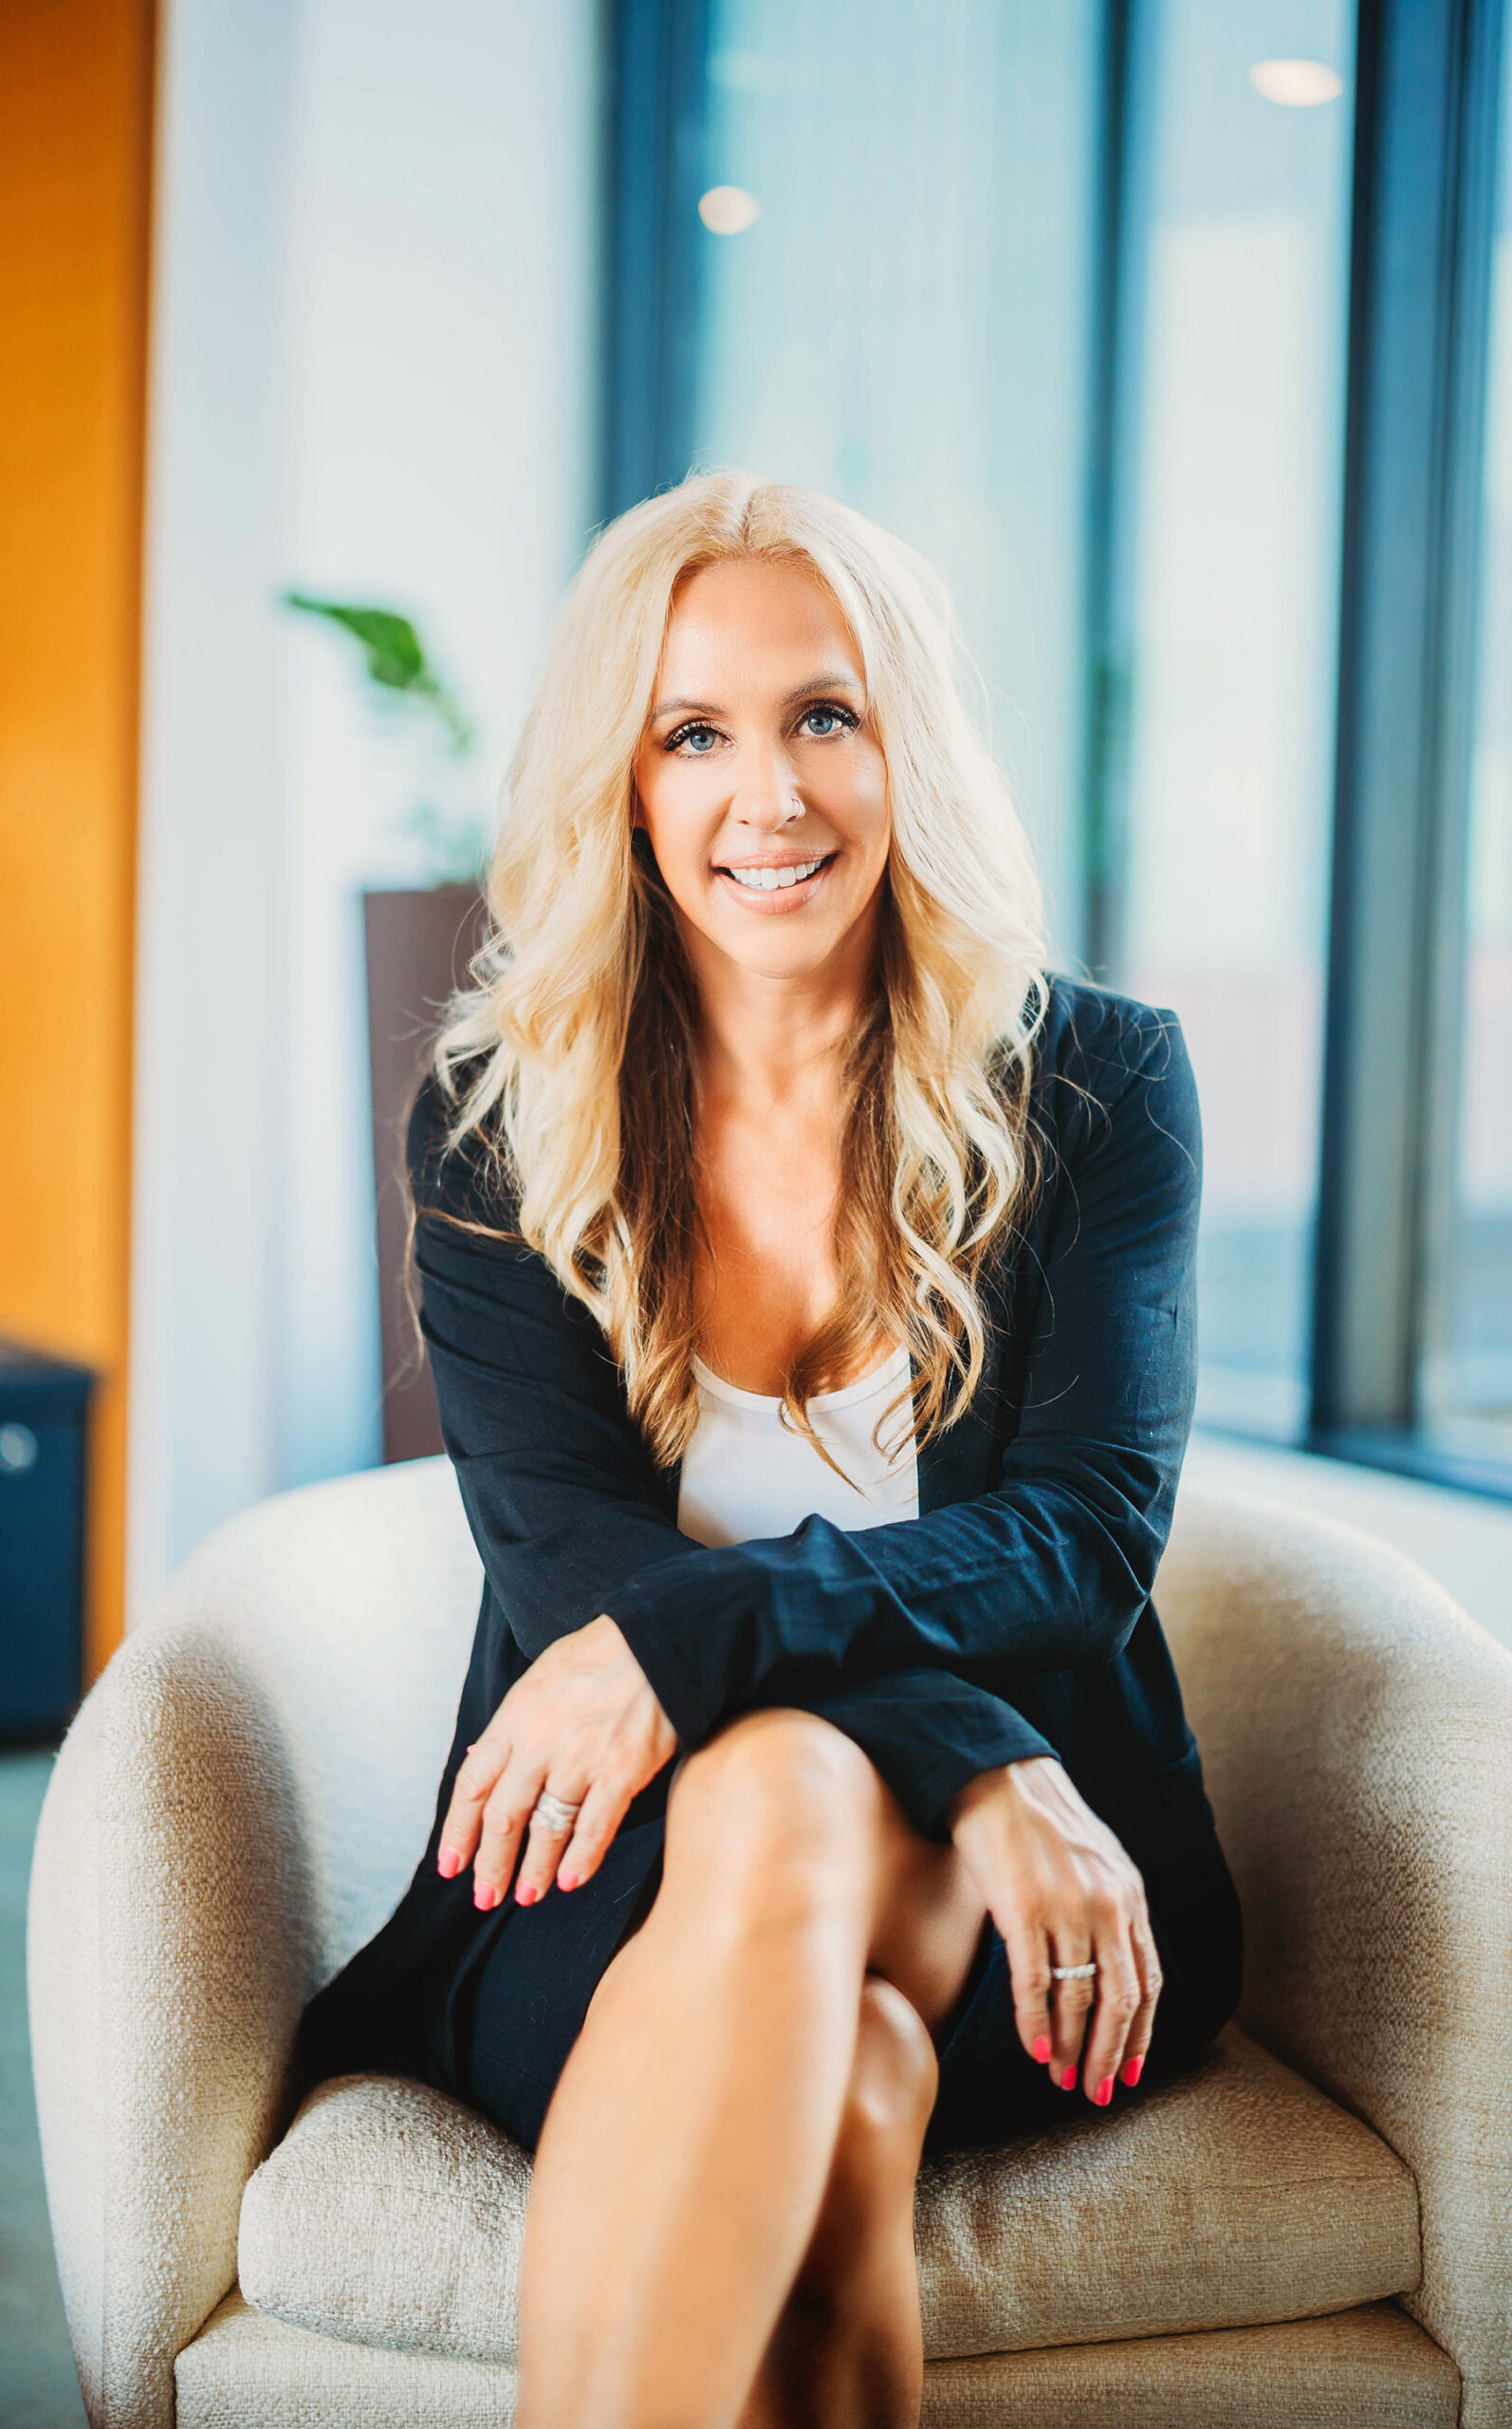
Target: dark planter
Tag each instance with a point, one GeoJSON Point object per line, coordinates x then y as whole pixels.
{"type": "Point", "coordinates": [419, 944]}
{"type": "Point", "coordinates": [44, 1418]}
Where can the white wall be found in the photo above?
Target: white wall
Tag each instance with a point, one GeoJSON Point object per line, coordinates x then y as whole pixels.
{"type": "Point", "coordinates": [374, 378]}
{"type": "Point", "coordinates": [214, 789]}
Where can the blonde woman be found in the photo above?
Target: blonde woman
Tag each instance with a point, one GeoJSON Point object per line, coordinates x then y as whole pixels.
{"type": "Point", "coordinates": [808, 1286]}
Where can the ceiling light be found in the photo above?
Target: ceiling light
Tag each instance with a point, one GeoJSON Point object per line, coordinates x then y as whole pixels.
{"type": "Point", "coordinates": [728, 211]}
{"type": "Point", "coordinates": [1295, 83]}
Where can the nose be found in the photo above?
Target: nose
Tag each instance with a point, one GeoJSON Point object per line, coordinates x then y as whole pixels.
{"type": "Point", "coordinates": [767, 796]}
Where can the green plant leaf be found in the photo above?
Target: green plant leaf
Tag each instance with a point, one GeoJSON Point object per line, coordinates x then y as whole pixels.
{"type": "Point", "coordinates": [393, 656]}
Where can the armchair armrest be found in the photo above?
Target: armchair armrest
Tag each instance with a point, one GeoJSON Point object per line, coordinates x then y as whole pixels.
{"type": "Point", "coordinates": [1356, 1737]}
{"type": "Point", "coordinates": [170, 1938]}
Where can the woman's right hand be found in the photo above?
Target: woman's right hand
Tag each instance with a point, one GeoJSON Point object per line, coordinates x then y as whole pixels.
{"type": "Point", "coordinates": [1062, 1891]}
{"type": "Point", "coordinates": [582, 1725]}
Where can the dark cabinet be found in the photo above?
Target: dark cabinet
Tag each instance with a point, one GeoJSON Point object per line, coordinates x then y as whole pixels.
{"type": "Point", "coordinates": [44, 1407]}
{"type": "Point", "coordinates": [419, 945]}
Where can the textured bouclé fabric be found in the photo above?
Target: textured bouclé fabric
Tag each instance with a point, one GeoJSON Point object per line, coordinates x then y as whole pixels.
{"type": "Point", "coordinates": [392, 2215]}
{"type": "Point", "coordinates": [239, 1802]}
{"type": "Point", "coordinates": [1357, 1734]}
{"type": "Point", "coordinates": [1364, 2369]}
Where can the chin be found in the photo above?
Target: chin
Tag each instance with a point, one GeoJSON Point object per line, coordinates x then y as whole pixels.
{"type": "Point", "coordinates": [778, 956]}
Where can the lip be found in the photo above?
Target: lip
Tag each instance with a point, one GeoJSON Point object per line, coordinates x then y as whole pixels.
{"type": "Point", "coordinates": [780, 900]}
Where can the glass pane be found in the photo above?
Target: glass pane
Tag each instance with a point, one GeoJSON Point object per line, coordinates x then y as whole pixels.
{"type": "Point", "coordinates": [1231, 422]}
{"type": "Point", "coordinates": [1468, 1383]}
{"type": "Point", "coordinates": [907, 323]}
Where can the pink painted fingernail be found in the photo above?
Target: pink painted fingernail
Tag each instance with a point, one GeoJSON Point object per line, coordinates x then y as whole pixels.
{"type": "Point", "coordinates": [566, 1881]}
{"type": "Point", "coordinates": [449, 1863]}
{"type": "Point", "coordinates": [1133, 2071]}
{"type": "Point", "coordinates": [1041, 2050]}
{"type": "Point", "coordinates": [1068, 2081]}
{"type": "Point", "coordinates": [485, 1896]}
{"type": "Point", "coordinates": [1104, 2092]}
{"type": "Point", "coordinates": [526, 1894]}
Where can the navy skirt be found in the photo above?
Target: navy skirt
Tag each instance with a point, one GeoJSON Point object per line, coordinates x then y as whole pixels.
{"type": "Point", "coordinates": [500, 2020]}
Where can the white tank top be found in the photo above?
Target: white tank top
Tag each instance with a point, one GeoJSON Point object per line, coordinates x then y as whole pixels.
{"type": "Point", "coordinates": [746, 1474]}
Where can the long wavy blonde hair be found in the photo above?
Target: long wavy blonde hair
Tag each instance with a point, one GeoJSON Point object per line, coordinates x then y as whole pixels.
{"type": "Point", "coordinates": [572, 1062]}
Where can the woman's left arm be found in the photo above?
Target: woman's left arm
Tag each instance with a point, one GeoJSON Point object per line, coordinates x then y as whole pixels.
{"type": "Point", "coordinates": [1053, 1566]}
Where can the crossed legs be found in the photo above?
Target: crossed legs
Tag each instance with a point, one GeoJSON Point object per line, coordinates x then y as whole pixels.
{"type": "Point", "coordinates": [847, 2352]}
{"type": "Point", "coordinates": [720, 2228]}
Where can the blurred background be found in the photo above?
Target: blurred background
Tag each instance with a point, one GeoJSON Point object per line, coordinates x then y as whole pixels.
{"type": "Point", "coordinates": [1177, 332]}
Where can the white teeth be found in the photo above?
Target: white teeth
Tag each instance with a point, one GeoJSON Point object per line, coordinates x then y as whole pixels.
{"type": "Point", "coordinates": [769, 881]}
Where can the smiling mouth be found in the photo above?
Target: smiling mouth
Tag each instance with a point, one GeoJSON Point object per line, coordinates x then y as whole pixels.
{"type": "Point", "coordinates": [776, 880]}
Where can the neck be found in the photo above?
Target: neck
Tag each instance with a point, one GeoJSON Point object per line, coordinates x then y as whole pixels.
{"type": "Point", "coordinates": [767, 1038]}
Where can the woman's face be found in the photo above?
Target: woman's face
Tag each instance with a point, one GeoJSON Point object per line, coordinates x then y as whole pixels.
{"type": "Point", "coordinates": [759, 781]}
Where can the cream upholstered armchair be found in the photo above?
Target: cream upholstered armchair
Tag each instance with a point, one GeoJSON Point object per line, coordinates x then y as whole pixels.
{"type": "Point", "coordinates": [1315, 2228]}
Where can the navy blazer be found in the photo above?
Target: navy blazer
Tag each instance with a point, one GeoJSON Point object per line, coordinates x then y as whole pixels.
{"type": "Point", "coordinates": [1012, 1616]}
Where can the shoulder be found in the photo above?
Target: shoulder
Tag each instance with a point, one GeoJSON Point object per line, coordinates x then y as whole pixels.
{"type": "Point", "coordinates": [1101, 1061]}
{"type": "Point", "coordinates": [1102, 1040]}
{"type": "Point", "coordinates": [462, 1181]}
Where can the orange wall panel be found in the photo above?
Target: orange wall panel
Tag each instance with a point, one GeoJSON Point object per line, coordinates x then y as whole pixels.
{"type": "Point", "coordinates": [76, 80]}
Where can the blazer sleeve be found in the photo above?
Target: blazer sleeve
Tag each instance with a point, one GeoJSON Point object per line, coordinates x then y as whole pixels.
{"type": "Point", "coordinates": [1053, 1566]}
{"type": "Point", "coordinates": [565, 1507]}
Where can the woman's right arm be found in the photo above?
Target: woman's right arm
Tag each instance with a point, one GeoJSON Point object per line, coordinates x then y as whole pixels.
{"type": "Point", "coordinates": [566, 1505]}
{"type": "Point", "coordinates": [561, 1493]}
{"type": "Point", "coordinates": [562, 1502]}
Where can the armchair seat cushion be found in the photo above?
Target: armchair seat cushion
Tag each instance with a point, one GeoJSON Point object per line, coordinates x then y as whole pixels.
{"type": "Point", "coordinates": [392, 2215]}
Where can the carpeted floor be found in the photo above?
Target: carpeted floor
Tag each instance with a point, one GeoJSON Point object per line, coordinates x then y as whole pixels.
{"type": "Point", "coordinates": [38, 2389]}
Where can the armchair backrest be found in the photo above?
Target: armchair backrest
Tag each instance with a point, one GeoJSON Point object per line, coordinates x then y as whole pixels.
{"type": "Point", "coordinates": [352, 1605]}
{"type": "Point", "coordinates": [1357, 1738]}
{"type": "Point", "coordinates": [235, 1809]}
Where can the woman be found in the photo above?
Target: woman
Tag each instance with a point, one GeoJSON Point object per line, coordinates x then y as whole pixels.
{"type": "Point", "coordinates": [808, 1286]}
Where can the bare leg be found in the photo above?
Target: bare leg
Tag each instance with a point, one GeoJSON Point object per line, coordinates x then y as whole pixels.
{"type": "Point", "coordinates": [848, 2351]}
{"type": "Point", "coordinates": [688, 2151]}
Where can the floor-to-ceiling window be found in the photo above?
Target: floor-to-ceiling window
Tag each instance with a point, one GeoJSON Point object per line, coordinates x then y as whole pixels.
{"type": "Point", "coordinates": [1231, 350]}
{"type": "Point", "coordinates": [900, 314]}
{"type": "Point", "coordinates": [1467, 1383]}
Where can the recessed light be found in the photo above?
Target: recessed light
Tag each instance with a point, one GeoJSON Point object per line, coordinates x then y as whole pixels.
{"type": "Point", "coordinates": [1295, 83]}
{"type": "Point", "coordinates": [728, 211]}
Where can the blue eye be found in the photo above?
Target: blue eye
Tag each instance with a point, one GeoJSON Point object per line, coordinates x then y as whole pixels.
{"type": "Point", "coordinates": [826, 720]}
{"type": "Point", "coordinates": [699, 739]}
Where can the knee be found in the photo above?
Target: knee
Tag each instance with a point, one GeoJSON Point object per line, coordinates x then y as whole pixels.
{"type": "Point", "coordinates": [868, 2208]}
{"type": "Point", "coordinates": [892, 2088]}
{"type": "Point", "coordinates": [789, 1805]}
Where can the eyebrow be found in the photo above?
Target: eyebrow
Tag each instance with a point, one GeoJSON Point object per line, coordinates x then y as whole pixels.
{"type": "Point", "coordinates": [800, 692]}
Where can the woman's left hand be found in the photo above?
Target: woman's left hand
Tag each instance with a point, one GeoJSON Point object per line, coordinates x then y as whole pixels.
{"type": "Point", "coordinates": [1063, 1892]}
{"type": "Point", "coordinates": [582, 1726]}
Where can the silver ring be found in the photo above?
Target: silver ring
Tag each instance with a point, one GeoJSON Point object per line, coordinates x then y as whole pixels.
{"type": "Point", "coordinates": [554, 1812]}
{"type": "Point", "coordinates": [1072, 1973]}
